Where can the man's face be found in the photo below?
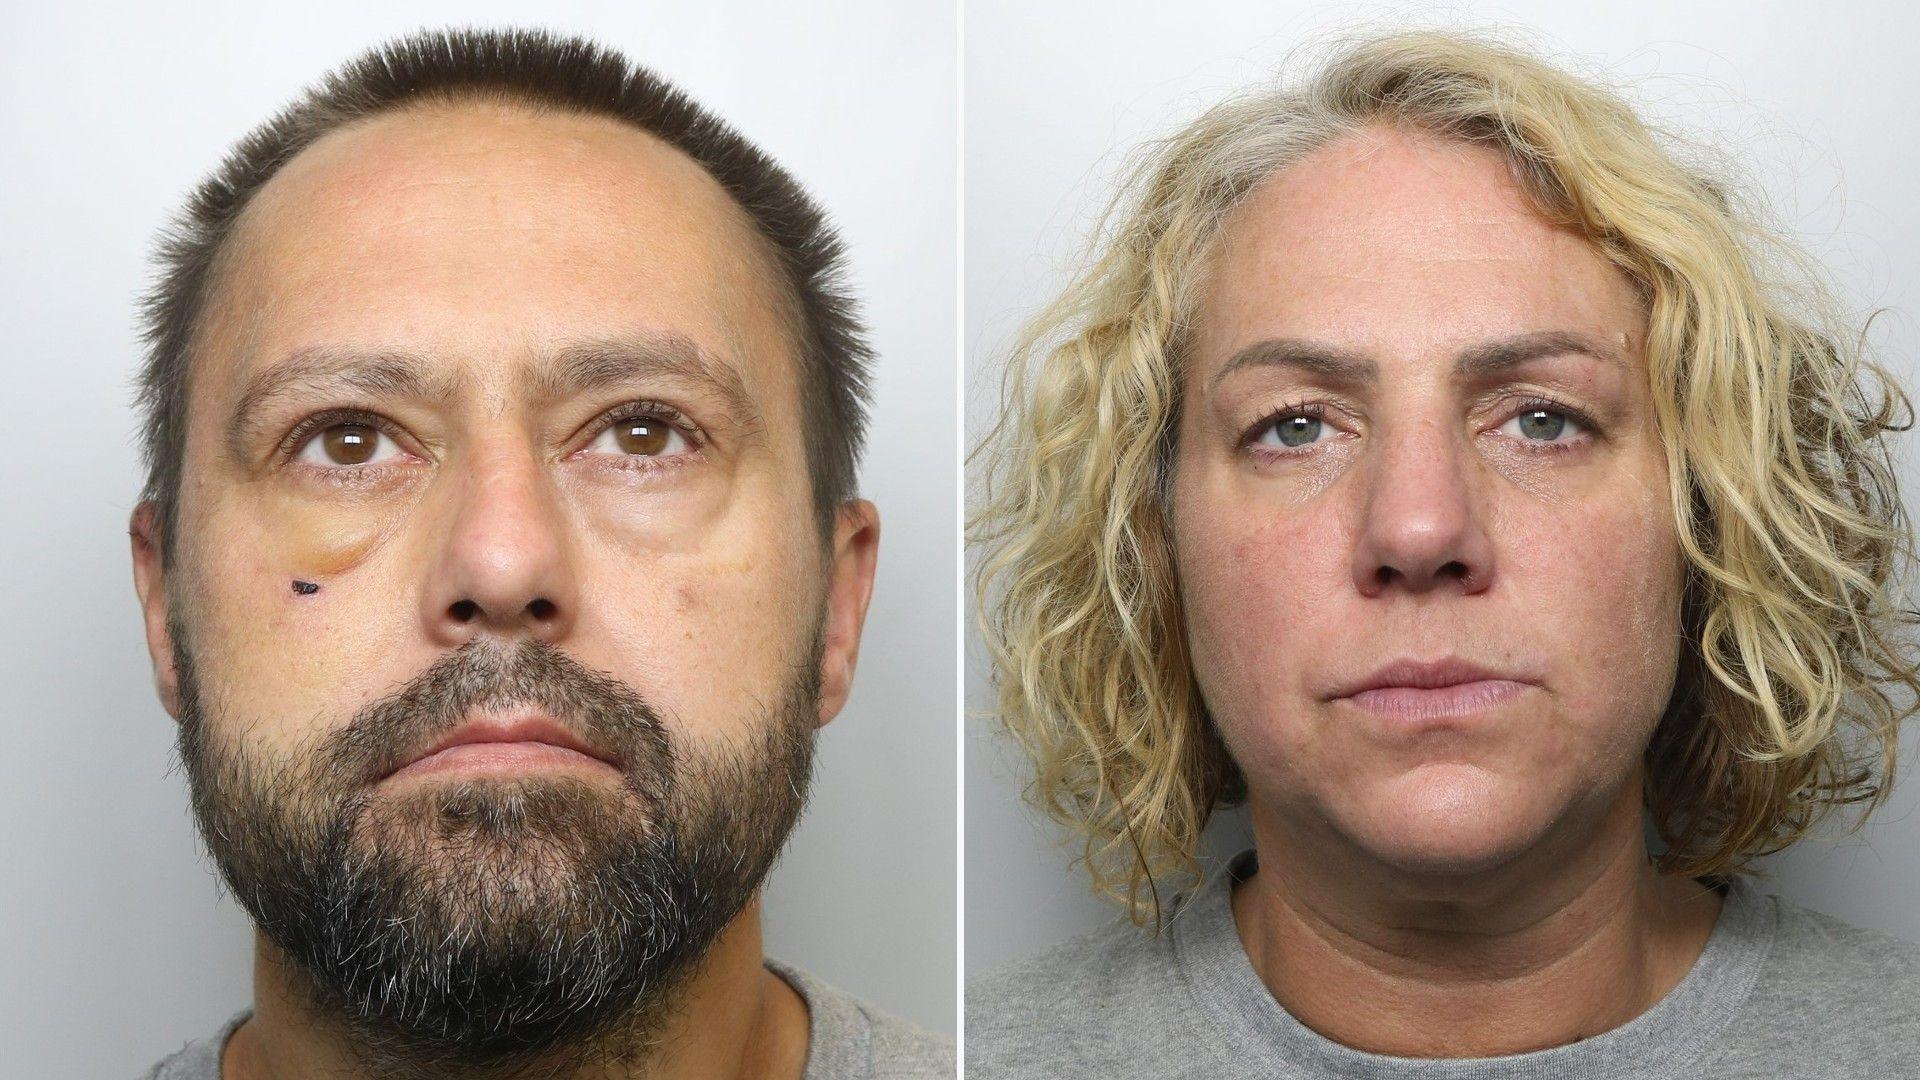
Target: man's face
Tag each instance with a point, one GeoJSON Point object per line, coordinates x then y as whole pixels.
{"type": "Point", "coordinates": [593, 500]}
{"type": "Point", "coordinates": [1513, 516]}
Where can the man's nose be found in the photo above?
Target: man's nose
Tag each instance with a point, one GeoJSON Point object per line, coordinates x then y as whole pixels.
{"type": "Point", "coordinates": [503, 563]}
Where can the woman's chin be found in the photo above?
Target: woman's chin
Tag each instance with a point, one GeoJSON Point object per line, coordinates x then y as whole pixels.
{"type": "Point", "coordinates": [1465, 821]}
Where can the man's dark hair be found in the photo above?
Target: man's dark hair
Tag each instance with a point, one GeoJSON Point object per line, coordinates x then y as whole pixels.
{"type": "Point", "coordinates": [541, 70]}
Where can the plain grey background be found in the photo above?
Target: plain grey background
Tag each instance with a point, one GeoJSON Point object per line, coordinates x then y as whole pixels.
{"type": "Point", "coordinates": [1815, 100]}
{"type": "Point", "coordinates": [115, 943]}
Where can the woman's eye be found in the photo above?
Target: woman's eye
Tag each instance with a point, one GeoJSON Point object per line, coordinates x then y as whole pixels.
{"type": "Point", "coordinates": [1541, 424]}
{"type": "Point", "coordinates": [1538, 424]}
{"type": "Point", "coordinates": [345, 445]}
{"type": "Point", "coordinates": [1292, 430]}
{"type": "Point", "coordinates": [642, 436]}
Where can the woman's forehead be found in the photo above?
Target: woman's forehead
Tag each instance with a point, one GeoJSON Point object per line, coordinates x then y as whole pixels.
{"type": "Point", "coordinates": [1401, 243]}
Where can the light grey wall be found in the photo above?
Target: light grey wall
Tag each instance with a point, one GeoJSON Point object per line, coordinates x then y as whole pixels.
{"type": "Point", "coordinates": [114, 944]}
{"type": "Point", "coordinates": [1816, 99]}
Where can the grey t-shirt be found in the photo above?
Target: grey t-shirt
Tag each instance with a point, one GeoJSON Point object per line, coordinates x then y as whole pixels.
{"type": "Point", "coordinates": [846, 1040]}
{"type": "Point", "coordinates": [1779, 992]}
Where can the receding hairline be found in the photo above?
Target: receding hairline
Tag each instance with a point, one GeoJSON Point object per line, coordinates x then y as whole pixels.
{"type": "Point", "coordinates": [509, 107]}
{"type": "Point", "coordinates": [236, 248]}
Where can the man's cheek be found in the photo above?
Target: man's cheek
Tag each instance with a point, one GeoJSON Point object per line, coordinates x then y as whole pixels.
{"type": "Point", "coordinates": [716, 636]}
{"type": "Point", "coordinates": [693, 512]}
{"type": "Point", "coordinates": [315, 541]}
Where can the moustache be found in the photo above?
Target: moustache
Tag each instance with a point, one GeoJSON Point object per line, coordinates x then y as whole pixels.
{"type": "Point", "coordinates": [590, 710]}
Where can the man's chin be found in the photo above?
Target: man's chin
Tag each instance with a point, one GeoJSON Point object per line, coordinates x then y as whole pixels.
{"type": "Point", "coordinates": [472, 923]}
{"type": "Point", "coordinates": [506, 808]}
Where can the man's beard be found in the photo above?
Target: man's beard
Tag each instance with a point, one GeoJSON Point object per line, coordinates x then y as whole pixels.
{"type": "Point", "coordinates": [498, 926]}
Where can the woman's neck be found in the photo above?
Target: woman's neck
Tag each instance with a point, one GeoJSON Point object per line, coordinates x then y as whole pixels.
{"type": "Point", "coordinates": [1534, 954]}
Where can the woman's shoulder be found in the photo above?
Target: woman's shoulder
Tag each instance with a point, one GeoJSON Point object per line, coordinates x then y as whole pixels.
{"type": "Point", "coordinates": [1813, 949]}
{"type": "Point", "coordinates": [1088, 967]}
{"type": "Point", "coordinates": [1835, 999]}
{"type": "Point", "coordinates": [1067, 1008]}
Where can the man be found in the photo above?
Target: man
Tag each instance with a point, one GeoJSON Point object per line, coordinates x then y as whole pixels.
{"type": "Point", "coordinates": [1426, 462]}
{"type": "Point", "coordinates": [499, 558]}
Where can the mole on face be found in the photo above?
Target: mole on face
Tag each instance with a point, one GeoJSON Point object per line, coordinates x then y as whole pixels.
{"type": "Point", "coordinates": [305, 587]}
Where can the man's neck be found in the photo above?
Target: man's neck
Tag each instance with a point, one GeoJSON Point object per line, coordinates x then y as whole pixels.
{"type": "Point", "coordinates": [732, 1019]}
{"type": "Point", "coordinates": [1523, 959]}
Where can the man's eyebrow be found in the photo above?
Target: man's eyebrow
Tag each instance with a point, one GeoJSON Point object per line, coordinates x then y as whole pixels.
{"type": "Point", "coordinates": [1479, 361]}
{"type": "Point", "coordinates": [323, 369]}
{"type": "Point", "coordinates": [591, 364]}
{"type": "Point", "coordinates": [577, 367]}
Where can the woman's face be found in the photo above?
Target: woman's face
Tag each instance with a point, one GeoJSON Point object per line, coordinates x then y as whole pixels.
{"type": "Point", "coordinates": [1417, 425]}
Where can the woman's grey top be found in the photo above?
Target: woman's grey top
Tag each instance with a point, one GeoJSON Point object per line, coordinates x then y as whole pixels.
{"type": "Point", "coordinates": [1779, 991]}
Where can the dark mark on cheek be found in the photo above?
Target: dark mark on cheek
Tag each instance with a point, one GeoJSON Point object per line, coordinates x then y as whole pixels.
{"type": "Point", "coordinates": [305, 587]}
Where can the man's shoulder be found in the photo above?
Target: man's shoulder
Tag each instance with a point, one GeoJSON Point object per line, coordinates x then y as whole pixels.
{"type": "Point", "coordinates": [1095, 998]}
{"type": "Point", "coordinates": [199, 1059]}
{"type": "Point", "coordinates": [907, 1051]}
{"type": "Point", "coordinates": [850, 1037]}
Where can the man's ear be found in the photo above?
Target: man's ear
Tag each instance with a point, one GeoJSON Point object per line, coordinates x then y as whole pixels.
{"type": "Point", "coordinates": [856, 547]}
{"type": "Point", "coordinates": [149, 581]}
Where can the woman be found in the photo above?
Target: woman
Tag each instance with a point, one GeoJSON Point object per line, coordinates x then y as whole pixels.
{"type": "Point", "coordinates": [1428, 461]}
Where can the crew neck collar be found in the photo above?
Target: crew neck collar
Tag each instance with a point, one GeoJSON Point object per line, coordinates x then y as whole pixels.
{"type": "Point", "coordinates": [1258, 1036]}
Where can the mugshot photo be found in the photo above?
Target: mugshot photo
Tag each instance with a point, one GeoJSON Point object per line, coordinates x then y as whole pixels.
{"type": "Point", "coordinates": [1439, 543]}
{"type": "Point", "coordinates": [907, 541]}
{"type": "Point", "coordinates": [530, 429]}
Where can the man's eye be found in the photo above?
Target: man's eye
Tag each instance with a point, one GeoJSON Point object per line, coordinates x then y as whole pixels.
{"type": "Point", "coordinates": [641, 436]}
{"type": "Point", "coordinates": [345, 445]}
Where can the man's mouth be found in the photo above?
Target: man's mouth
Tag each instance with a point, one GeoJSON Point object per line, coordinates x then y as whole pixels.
{"type": "Point", "coordinates": [509, 743]}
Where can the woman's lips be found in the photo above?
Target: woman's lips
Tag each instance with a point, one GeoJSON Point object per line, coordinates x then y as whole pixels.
{"type": "Point", "coordinates": [500, 757]}
{"type": "Point", "coordinates": [1412, 704]}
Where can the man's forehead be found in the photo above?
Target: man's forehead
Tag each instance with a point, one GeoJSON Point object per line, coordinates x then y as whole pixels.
{"type": "Point", "coordinates": [496, 146]}
{"type": "Point", "coordinates": [398, 231]}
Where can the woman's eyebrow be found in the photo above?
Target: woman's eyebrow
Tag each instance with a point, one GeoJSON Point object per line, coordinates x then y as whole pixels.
{"type": "Point", "coordinates": [1347, 367]}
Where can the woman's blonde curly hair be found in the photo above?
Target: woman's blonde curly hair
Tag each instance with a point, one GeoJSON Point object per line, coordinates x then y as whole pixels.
{"type": "Point", "coordinates": [1788, 514]}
